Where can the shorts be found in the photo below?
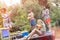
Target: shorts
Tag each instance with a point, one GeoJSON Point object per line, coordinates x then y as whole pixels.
{"type": "Point", "coordinates": [47, 20]}
{"type": "Point", "coordinates": [33, 22]}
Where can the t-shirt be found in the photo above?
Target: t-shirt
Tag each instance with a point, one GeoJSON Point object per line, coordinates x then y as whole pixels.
{"type": "Point", "coordinates": [45, 13]}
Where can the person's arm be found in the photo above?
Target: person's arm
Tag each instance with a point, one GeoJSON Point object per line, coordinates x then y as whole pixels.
{"type": "Point", "coordinates": [29, 18]}
{"type": "Point", "coordinates": [4, 16]}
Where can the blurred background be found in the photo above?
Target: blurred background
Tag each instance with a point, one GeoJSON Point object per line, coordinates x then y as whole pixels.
{"type": "Point", "coordinates": [19, 13]}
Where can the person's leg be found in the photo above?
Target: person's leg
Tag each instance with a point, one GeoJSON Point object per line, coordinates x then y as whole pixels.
{"type": "Point", "coordinates": [35, 31]}
{"type": "Point", "coordinates": [32, 27]}
{"type": "Point", "coordinates": [33, 23]}
{"type": "Point", "coordinates": [4, 24]}
{"type": "Point", "coordinates": [31, 34]}
{"type": "Point", "coordinates": [47, 28]}
{"type": "Point", "coordinates": [10, 26]}
{"type": "Point", "coordinates": [48, 25]}
{"type": "Point", "coordinates": [38, 32]}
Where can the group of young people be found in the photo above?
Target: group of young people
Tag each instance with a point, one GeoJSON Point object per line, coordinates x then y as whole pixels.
{"type": "Point", "coordinates": [40, 27]}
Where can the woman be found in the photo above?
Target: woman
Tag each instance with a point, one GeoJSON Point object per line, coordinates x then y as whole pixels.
{"type": "Point", "coordinates": [40, 29]}
{"type": "Point", "coordinates": [6, 18]}
{"type": "Point", "coordinates": [46, 17]}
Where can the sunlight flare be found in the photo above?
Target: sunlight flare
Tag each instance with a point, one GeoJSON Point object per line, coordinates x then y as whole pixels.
{"type": "Point", "coordinates": [10, 2]}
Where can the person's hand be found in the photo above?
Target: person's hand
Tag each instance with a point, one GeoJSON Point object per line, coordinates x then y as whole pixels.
{"type": "Point", "coordinates": [29, 18]}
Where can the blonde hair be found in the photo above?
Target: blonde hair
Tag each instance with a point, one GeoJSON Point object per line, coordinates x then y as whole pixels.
{"type": "Point", "coordinates": [39, 23]}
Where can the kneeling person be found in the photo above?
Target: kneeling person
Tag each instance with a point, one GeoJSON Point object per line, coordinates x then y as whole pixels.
{"type": "Point", "coordinates": [39, 29]}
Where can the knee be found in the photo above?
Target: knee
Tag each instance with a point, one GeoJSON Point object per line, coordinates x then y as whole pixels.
{"type": "Point", "coordinates": [35, 29]}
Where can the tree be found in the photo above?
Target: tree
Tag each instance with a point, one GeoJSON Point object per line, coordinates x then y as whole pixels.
{"type": "Point", "coordinates": [42, 2]}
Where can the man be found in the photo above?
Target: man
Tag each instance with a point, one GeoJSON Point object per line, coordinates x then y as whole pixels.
{"type": "Point", "coordinates": [31, 19]}
{"type": "Point", "coordinates": [45, 15]}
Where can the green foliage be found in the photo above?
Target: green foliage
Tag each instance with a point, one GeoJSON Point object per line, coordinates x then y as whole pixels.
{"type": "Point", "coordinates": [54, 14]}
{"type": "Point", "coordinates": [21, 19]}
{"type": "Point", "coordinates": [36, 8]}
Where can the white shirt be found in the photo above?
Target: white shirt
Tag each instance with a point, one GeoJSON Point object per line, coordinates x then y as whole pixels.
{"type": "Point", "coordinates": [45, 13]}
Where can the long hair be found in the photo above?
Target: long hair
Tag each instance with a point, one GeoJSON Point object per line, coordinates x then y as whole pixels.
{"type": "Point", "coordinates": [39, 23]}
{"type": "Point", "coordinates": [4, 9]}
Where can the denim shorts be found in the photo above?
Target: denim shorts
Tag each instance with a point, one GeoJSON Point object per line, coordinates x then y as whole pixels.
{"type": "Point", "coordinates": [33, 22]}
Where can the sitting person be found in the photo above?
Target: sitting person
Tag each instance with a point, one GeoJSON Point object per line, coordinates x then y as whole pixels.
{"type": "Point", "coordinates": [39, 29]}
